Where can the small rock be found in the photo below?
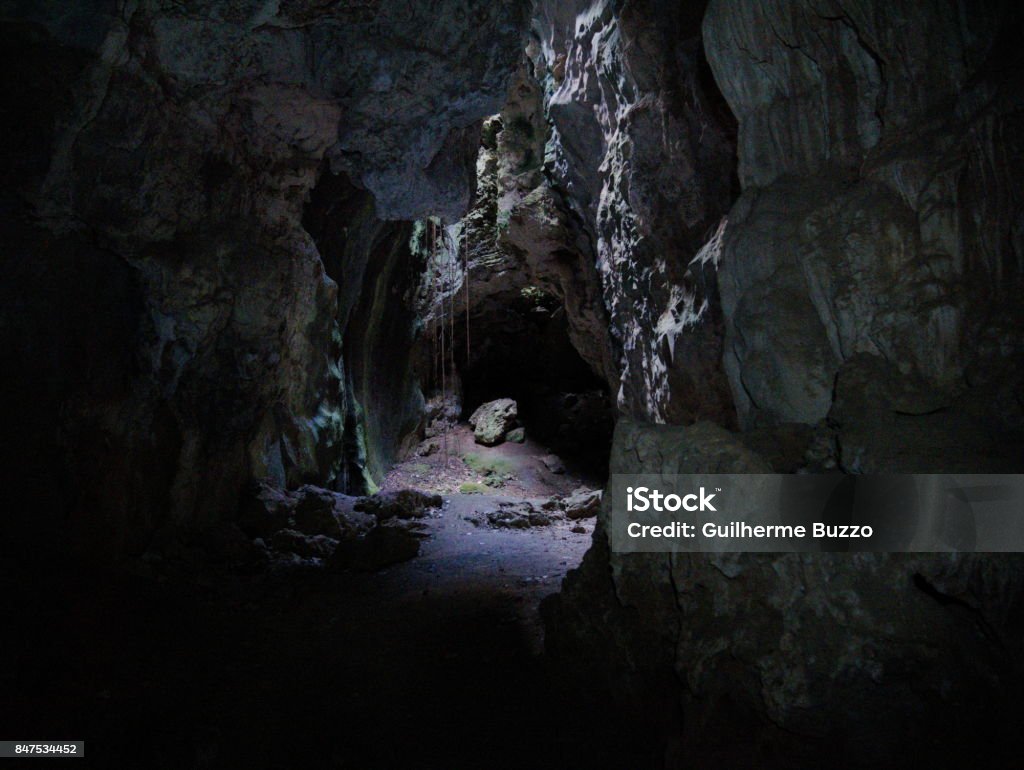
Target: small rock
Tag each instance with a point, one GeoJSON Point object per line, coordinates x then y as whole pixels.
{"type": "Point", "coordinates": [518, 515]}
{"type": "Point", "coordinates": [552, 504]}
{"type": "Point", "coordinates": [516, 435]}
{"type": "Point", "coordinates": [553, 463]}
{"type": "Point", "coordinates": [428, 448]}
{"type": "Point", "coordinates": [583, 503]}
{"type": "Point", "coordinates": [289, 561]}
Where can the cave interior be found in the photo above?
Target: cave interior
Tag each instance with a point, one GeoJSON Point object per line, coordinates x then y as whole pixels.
{"type": "Point", "coordinates": [326, 325]}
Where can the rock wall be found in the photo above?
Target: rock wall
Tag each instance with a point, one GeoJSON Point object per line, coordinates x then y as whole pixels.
{"type": "Point", "coordinates": [866, 323]}
{"type": "Point", "coordinates": [377, 404]}
{"type": "Point", "coordinates": [535, 223]}
{"type": "Point", "coordinates": [790, 660]}
{"type": "Point", "coordinates": [611, 168]}
{"type": "Point", "coordinates": [881, 200]}
{"type": "Point", "coordinates": [160, 161]}
{"type": "Point", "coordinates": [518, 246]}
{"type": "Point", "coordinates": [643, 151]}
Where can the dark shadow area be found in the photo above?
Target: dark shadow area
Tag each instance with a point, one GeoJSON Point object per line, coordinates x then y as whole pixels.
{"type": "Point", "coordinates": [303, 670]}
{"type": "Point", "coordinates": [521, 349]}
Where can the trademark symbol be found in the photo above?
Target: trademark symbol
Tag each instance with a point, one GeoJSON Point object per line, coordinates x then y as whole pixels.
{"type": "Point", "coordinates": [718, 489]}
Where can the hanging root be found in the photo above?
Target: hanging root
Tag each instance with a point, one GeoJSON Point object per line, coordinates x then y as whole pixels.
{"type": "Point", "coordinates": [465, 282]}
{"type": "Point", "coordinates": [444, 257]}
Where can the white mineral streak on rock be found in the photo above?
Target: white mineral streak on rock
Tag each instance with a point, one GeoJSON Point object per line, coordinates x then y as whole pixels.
{"type": "Point", "coordinates": [624, 145]}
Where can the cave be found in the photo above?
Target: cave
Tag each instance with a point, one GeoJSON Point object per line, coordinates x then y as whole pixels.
{"type": "Point", "coordinates": [344, 344]}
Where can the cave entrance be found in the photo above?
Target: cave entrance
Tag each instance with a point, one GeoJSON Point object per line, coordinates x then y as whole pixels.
{"type": "Point", "coordinates": [511, 406]}
{"type": "Point", "coordinates": [524, 352]}
{"type": "Point", "coordinates": [515, 345]}
{"type": "Point", "coordinates": [506, 351]}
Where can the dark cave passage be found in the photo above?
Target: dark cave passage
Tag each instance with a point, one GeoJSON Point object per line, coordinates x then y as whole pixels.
{"type": "Point", "coordinates": [522, 350]}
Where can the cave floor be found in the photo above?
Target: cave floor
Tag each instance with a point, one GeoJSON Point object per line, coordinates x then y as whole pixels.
{"type": "Point", "coordinates": [517, 470]}
{"type": "Point", "coordinates": [430, 663]}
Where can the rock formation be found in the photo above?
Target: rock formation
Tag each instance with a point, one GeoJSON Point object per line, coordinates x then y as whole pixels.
{"type": "Point", "coordinates": [797, 656]}
{"type": "Point", "coordinates": [860, 296]}
{"type": "Point", "coordinates": [530, 323]}
{"type": "Point", "coordinates": [162, 156]}
{"type": "Point", "coordinates": [866, 176]}
{"type": "Point", "coordinates": [313, 526]}
{"type": "Point", "coordinates": [491, 421]}
{"type": "Point", "coordinates": [642, 148]}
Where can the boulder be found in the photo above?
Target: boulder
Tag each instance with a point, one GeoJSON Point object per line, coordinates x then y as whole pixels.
{"type": "Point", "coordinates": [306, 546]}
{"type": "Point", "coordinates": [428, 448]}
{"type": "Point", "coordinates": [787, 447]}
{"type": "Point", "coordinates": [322, 512]}
{"type": "Point", "coordinates": [309, 510]}
{"type": "Point", "coordinates": [314, 513]}
{"type": "Point", "coordinates": [441, 414]}
{"type": "Point", "coordinates": [226, 543]}
{"type": "Point", "coordinates": [491, 421]}
{"type": "Point", "coordinates": [552, 503]}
